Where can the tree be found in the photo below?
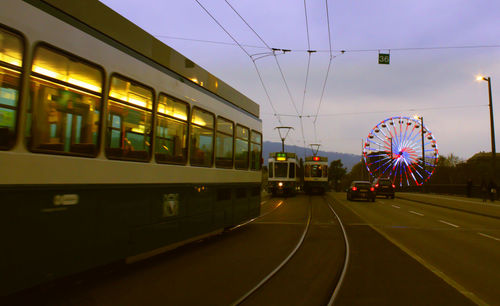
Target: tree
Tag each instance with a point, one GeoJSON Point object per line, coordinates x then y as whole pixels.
{"type": "Point", "coordinates": [336, 172]}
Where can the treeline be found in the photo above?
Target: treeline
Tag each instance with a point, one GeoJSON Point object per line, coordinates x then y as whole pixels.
{"type": "Point", "coordinates": [450, 170]}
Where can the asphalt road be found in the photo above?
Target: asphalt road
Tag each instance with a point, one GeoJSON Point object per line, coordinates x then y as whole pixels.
{"type": "Point", "coordinates": [458, 239]}
{"type": "Point", "coordinates": [221, 269]}
{"type": "Point", "coordinates": [421, 250]}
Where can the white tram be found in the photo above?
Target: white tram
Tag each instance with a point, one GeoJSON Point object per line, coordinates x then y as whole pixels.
{"type": "Point", "coordinates": [282, 173]}
{"type": "Point", "coordinates": [113, 146]}
{"type": "Point", "coordinates": [316, 174]}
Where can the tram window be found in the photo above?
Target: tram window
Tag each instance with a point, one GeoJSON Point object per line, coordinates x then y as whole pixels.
{"type": "Point", "coordinates": [11, 59]}
{"type": "Point", "coordinates": [255, 151]}
{"type": "Point", "coordinates": [65, 103]}
{"type": "Point", "coordinates": [171, 130]}
{"type": "Point", "coordinates": [280, 169]}
{"type": "Point", "coordinates": [316, 171]}
{"type": "Point", "coordinates": [292, 170]}
{"type": "Point", "coordinates": [224, 143]}
{"type": "Point", "coordinates": [271, 170]}
{"type": "Point", "coordinates": [241, 156]}
{"type": "Point", "coordinates": [130, 111]}
{"type": "Point", "coordinates": [325, 171]}
{"type": "Point", "coordinates": [202, 138]}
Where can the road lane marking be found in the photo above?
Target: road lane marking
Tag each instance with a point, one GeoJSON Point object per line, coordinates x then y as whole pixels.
{"type": "Point", "coordinates": [467, 293]}
{"type": "Point", "coordinates": [488, 236]}
{"type": "Point", "coordinates": [416, 213]}
{"type": "Point", "coordinates": [396, 206]}
{"type": "Point", "coordinates": [450, 224]}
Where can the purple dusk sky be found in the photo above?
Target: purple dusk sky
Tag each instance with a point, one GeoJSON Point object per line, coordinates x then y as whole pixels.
{"type": "Point", "coordinates": [438, 84]}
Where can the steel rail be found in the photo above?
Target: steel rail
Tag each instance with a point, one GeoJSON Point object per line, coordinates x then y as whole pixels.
{"type": "Point", "coordinates": [346, 260]}
{"type": "Point", "coordinates": [282, 264]}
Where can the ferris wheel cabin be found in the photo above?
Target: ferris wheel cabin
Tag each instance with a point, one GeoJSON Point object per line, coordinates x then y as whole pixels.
{"type": "Point", "coordinates": [282, 175]}
{"type": "Point", "coordinates": [316, 174]}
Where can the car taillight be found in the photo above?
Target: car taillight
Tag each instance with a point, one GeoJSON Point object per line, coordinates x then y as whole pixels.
{"type": "Point", "coordinates": [372, 189]}
{"type": "Point", "coordinates": [354, 188]}
{"type": "Point", "coordinates": [376, 185]}
{"type": "Point", "coordinates": [393, 186]}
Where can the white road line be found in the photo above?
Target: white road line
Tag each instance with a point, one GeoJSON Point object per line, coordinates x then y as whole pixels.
{"type": "Point", "coordinates": [416, 213]}
{"type": "Point", "coordinates": [451, 224]}
{"type": "Point", "coordinates": [395, 206]}
{"type": "Point", "coordinates": [488, 236]}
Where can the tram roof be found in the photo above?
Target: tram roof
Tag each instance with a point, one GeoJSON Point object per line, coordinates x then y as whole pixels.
{"type": "Point", "coordinates": [103, 19]}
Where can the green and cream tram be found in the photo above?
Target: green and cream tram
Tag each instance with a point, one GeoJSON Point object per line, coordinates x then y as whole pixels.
{"type": "Point", "coordinates": [113, 146]}
{"type": "Point", "coordinates": [316, 174]}
{"type": "Point", "coordinates": [282, 173]}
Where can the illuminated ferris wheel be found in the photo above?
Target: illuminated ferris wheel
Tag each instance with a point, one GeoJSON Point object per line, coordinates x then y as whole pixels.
{"type": "Point", "coordinates": [394, 148]}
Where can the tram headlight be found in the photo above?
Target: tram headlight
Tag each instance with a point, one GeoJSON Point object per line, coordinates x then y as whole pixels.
{"type": "Point", "coordinates": [280, 184]}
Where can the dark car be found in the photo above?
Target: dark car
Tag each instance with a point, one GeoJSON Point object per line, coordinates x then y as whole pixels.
{"type": "Point", "coordinates": [361, 190]}
{"type": "Point", "coordinates": [384, 187]}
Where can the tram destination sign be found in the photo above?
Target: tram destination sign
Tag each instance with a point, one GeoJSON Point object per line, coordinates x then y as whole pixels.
{"type": "Point", "coordinates": [384, 58]}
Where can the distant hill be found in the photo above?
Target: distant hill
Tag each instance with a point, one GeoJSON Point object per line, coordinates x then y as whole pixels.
{"type": "Point", "coordinates": [348, 160]}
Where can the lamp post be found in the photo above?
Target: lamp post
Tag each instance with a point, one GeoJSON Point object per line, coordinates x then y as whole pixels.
{"type": "Point", "coordinates": [422, 132]}
{"type": "Point", "coordinates": [492, 123]}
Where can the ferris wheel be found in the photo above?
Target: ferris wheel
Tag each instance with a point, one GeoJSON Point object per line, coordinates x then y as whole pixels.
{"type": "Point", "coordinates": [394, 148]}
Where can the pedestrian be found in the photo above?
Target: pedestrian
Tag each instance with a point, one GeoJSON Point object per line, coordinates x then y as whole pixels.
{"type": "Point", "coordinates": [484, 190]}
{"type": "Point", "coordinates": [469, 187]}
{"type": "Point", "coordinates": [492, 187]}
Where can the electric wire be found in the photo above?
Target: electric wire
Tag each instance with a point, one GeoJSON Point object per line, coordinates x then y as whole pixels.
{"type": "Point", "coordinates": [307, 76]}
{"type": "Point", "coordinates": [327, 71]}
{"type": "Point", "coordinates": [387, 111]}
{"type": "Point", "coordinates": [336, 50]}
{"type": "Point", "coordinates": [243, 19]}
{"type": "Point", "coordinates": [274, 53]}
{"type": "Point", "coordinates": [250, 56]}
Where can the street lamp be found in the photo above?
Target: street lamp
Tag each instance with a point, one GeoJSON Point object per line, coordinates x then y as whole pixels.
{"type": "Point", "coordinates": [422, 132]}
{"type": "Point", "coordinates": [492, 123]}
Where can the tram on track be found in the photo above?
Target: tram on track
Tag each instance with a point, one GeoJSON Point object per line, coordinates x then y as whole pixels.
{"type": "Point", "coordinates": [113, 146]}
{"type": "Point", "coordinates": [282, 174]}
{"type": "Point", "coordinates": [316, 174]}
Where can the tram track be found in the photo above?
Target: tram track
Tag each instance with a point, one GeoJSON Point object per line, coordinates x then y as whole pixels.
{"type": "Point", "coordinates": [300, 244]}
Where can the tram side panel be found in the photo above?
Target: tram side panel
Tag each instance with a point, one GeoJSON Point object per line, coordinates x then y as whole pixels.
{"type": "Point", "coordinates": [65, 214]}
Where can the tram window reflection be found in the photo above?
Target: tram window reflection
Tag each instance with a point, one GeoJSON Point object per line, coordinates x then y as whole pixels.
{"type": "Point", "coordinates": [65, 104]}
{"type": "Point", "coordinates": [202, 138]}
{"type": "Point", "coordinates": [130, 111]}
{"type": "Point", "coordinates": [224, 143]}
{"type": "Point", "coordinates": [241, 157]}
{"type": "Point", "coordinates": [11, 51]}
{"type": "Point", "coordinates": [171, 130]}
{"type": "Point", "coordinates": [256, 151]}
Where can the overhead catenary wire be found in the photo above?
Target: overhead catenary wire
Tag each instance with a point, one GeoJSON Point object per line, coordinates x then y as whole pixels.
{"type": "Point", "coordinates": [335, 50]}
{"type": "Point", "coordinates": [275, 52]}
{"type": "Point", "coordinates": [307, 76]}
{"type": "Point", "coordinates": [249, 55]}
{"type": "Point", "coordinates": [327, 71]}
{"type": "Point", "coordinates": [387, 111]}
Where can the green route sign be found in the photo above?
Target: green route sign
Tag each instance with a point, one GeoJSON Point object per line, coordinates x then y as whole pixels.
{"type": "Point", "coordinates": [384, 58]}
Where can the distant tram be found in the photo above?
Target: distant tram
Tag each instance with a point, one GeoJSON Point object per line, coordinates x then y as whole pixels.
{"type": "Point", "coordinates": [282, 175]}
{"type": "Point", "coordinates": [316, 174]}
{"type": "Point", "coordinates": [113, 146]}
